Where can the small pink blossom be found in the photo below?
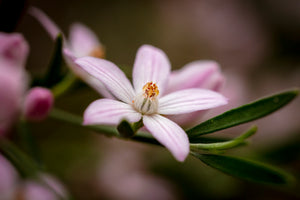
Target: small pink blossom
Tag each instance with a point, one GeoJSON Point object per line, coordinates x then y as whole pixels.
{"type": "Point", "coordinates": [38, 103]}
{"type": "Point", "coordinates": [13, 50]}
{"type": "Point", "coordinates": [13, 77]}
{"type": "Point", "coordinates": [81, 42]}
{"type": "Point", "coordinates": [146, 99]}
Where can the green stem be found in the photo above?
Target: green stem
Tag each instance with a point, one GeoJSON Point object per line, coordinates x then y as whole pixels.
{"type": "Point", "coordinates": [225, 145]}
{"type": "Point", "coordinates": [64, 85]}
{"type": "Point", "coordinates": [77, 120]}
{"type": "Point", "coordinates": [106, 130]}
{"type": "Point", "coordinates": [145, 137]}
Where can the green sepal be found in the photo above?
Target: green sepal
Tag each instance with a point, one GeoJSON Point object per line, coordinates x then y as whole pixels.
{"type": "Point", "coordinates": [246, 169]}
{"type": "Point", "coordinates": [243, 114]}
{"type": "Point", "coordinates": [125, 130]}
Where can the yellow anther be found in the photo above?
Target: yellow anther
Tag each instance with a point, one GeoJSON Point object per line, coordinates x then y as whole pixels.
{"type": "Point", "coordinates": [98, 52]}
{"type": "Point", "coordinates": [150, 90]}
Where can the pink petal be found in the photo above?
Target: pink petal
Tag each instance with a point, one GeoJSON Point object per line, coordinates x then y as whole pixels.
{"type": "Point", "coordinates": [198, 74]}
{"type": "Point", "coordinates": [9, 181]}
{"type": "Point", "coordinates": [13, 83]}
{"type": "Point", "coordinates": [86, 77]}
{"type": "Point", "coordinates": [111, 112]}
{"type": "Point", "coordinates": [168, 134]}
{"type": "Point", "coordinates": [13, 50]}
{"type": "Point", "coordinates": [151, 64]}
{"type": "Point", "coordinates": [82, 40]}
{"type": "Point", "coordinates": [110, 75]}
{"type": "Point", "coordinates": [188, 120]}
{"type": "Point", "coordinates": [45, 21]}
{"type": "Point", "coordinates": [189, 100]}
{"type": "Point", "coordinates": [38, 103]}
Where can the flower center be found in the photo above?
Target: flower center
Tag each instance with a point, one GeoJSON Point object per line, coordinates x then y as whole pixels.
{"type": "Point", "coordinates": [146, 102]}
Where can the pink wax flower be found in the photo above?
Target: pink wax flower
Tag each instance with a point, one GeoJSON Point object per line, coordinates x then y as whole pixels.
{"type": "Point", "coordinates": [8, 179]}
{"type": "Point", "coordinates": [13, 78]}
{"type": "Point", "coordinates": [37, 104]}
{"type": "Point", "coordinates": [147, 100]}
{"type": "Point", "coordinates": [197, 74]}
{"type": "Point", "coordinates": [14, 82]}
{"type": "Point", "coordinates": [13, 49]}
{"type": "Point", "coordinates": [81, 42]}
{"type": "Point", "coordinates": [46, 187]}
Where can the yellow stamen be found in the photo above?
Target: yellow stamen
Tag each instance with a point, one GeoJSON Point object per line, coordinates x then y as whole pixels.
{"type": "Point", "coordinates": [98, 52]}
{"type": "Point", "coordinates": [150, 90]}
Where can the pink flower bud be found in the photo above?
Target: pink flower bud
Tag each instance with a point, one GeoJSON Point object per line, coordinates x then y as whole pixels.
{"type": "Point", "coordinates": [38, 102]}
{"type": "Point", "coordinates": [13, 49]}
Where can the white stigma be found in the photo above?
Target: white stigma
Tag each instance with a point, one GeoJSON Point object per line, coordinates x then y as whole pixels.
{"type": "Point", "coordinates": [146, 102]}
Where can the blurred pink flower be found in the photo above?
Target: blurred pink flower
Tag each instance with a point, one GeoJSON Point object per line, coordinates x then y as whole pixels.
{"type": "Point", "coordinates": [13, 50]}
{"type": "Point", "coordinates": [197, 74]}
{"type": "Point", "coordinates": [124, 164]}
{"type": "Point", "coordinates": [46, 187]}
{"type": "Point", "coordinates": [150, 77]}
{"type": "Point", "coordinates": [81, 42]}
{"type": "Point", "coordinates": [13, 79]}
{"type": "Point", "coordinates": [38, 103]}
{"type": "Point", "coordinates": [8, 180]}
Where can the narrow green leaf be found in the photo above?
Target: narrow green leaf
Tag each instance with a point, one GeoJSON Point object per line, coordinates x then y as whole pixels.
{"type": "Point", "coordinates": [243, 114]}
{"type": "Point", "coordinates": [53, 74]}
{"type": "Point", "coordinates": [240, 140]}
{"type": "Point", "coordinates": [28, 142]}
{"type": "Point", "coordinates": [23, 163]}
{"type": "Point", "coordinates": [246, 169]}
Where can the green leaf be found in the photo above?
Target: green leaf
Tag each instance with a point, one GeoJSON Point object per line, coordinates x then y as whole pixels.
{"type": "Point", "coordinates": [23, 163]}
{"type": "Point", "coordinates": [53, 74]}
{"type": "Point", "coordinates": [246, 169]}
{"type": "Point", "coordinates": [243, 114]}
{"type": "Point", "coordinates": [240, 140]}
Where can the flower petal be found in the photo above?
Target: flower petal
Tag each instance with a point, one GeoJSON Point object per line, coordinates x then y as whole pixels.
{"type": "Point", "coordinates": [111, 112]}
{"type": "Point", "coordinates": [86, 77]}
{"type": "Point", "coordinates": [110, 75]}
{"type": "Point", "coordinates": [13, 50]}
{"type": "Point", "coordinates": [168, 134]}
{"type": "Point", "coordinates": [82, 40]}
{"type": "Point", "coordinates": [45, 21]}
{"type": "Point", "coordinates": [189, 100]}
{"type": "Point", "coordinates": [197, 74]}
{"type": "Point", "coordinates": [151, 64]}
{"type": "Point", "coordinates": [13, 84]}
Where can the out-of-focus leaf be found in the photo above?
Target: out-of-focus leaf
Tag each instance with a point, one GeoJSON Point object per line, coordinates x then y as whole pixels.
{"type": "Point", "coordinates": [243, 114]}
{"type": "Point", "coordinates": [246, 169]}
{"type": "Point", "coordinates": [28, 142]}
{"type": "Point", "coordinates": [54, 74]}
{"type": "Point", "coordinates": [23, 163]}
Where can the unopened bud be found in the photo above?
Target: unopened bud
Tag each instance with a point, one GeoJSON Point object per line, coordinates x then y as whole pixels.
{"type": "Point", "coordinates": [38, 103]}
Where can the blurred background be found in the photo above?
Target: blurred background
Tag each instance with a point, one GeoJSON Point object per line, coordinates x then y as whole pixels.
{"type": "Point", "coordinates": [257, 44]}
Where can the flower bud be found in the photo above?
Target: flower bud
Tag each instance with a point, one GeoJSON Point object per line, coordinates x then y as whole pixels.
{"type": "Point", "coordinates": [38, 102]}
{"type": "Point", "coordinates": [13, 49]}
